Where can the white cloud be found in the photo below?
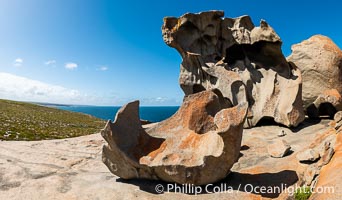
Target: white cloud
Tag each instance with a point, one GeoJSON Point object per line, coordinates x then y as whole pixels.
{"type": "Point", "coordinates": [160, 101]}
{"type": "Point", "coordinates": [50, 62]}
{"type": "Point", "coordinates": [102, 68]}
{"type": "Point", "coordinates": [71, 66]}
{"type": "Point", "coordinates": [24, 89]}
{"type": "Point", "coordinates": [18, 62]}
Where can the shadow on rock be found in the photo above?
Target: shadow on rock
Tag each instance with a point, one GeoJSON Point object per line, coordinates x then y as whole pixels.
{"type": "Point", "coordinates": [272, 184]}
{"type": "Point", "coordinates": [268, 121]}
{"type": "Point", "coordinates": [306, 123]}
{"type": "Point", "coordinates": [244, 148]}
{"type": "Point", "coordinates": [252, 183]}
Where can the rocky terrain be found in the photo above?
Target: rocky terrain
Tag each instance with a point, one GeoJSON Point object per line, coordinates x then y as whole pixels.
{"type": "Point", "coordinates": [72, 168]}
{"type": "Point", "coordinates": [234, 75]}
{"type": "Point", "coordinates": [253, 125]}
{"type": "Point", "coordinates": [320, 61]}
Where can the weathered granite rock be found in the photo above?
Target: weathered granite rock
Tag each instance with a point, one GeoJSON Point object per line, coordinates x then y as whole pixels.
{"type": "Point", "coordinates": [338, 120]}
{"type": "Point", "coordinates": [329, 182]}
{"type": "Point", "coordinates": [198, 145]}
{"type": "Point", "coordinates": [316, 155]}
{"type": "Point", "coordinates": [308, 155]}
{"type": "Point", "coordinates": [338, 117]}
{"type": "Point", "coordinates": [320, 61]}
{"type": "Point", "coordinates": [71, 169]}
{"type": "Point", "coordinates": [327, 155]}
{"type": "Point", "coordinates": [217, 51]}
{"type": "Point", "coordinates": [310, 173]}
{"type": "Point", "coordinates": [278, 149]}
{"type": "Point", "coordinates": [327, 103]}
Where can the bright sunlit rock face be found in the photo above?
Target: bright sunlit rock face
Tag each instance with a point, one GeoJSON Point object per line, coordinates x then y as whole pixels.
{"type": "Point", "coordinates": [216, 51]}
{"type": "Point", "coordinates": [233, 75]}
{"type": "Point", "coordinates": [197, 145]}
{"type": "Point", "coordinates": [320, 61]}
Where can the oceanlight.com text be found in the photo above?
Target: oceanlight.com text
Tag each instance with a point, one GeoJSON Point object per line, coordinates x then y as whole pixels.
{"type": "Point", "coordinates": [225, 188]}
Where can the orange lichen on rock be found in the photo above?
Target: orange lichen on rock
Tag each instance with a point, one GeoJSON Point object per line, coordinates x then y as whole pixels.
{"type": "Point", "coordinates": [186, 148]}
{"type": "Point", "coordinates": [330, 176]}
{"type": "Point", "coordinates": [328, 44]}
{"type": "Point", "coordinates": [332, 93]}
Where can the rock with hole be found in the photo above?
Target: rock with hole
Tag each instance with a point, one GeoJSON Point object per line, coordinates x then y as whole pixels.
{"type": "Point", "coordinates": [320, 61]}
{"type": "Point", "coordinates": [217, 51]}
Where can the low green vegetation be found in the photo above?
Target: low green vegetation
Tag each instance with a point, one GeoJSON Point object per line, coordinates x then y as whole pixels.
{"type": "Point", "coordinates": [26, 121]}
{"type": "Point", "coordinates": [302, 193]}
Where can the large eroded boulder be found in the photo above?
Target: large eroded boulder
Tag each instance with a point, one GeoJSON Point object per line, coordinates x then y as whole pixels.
{"type": "Point", "coordinates": [197, 145]}
{"type": "Point", "coordinates": [320, 61]}
{"type": "Point", "coordinates": [217, 51]}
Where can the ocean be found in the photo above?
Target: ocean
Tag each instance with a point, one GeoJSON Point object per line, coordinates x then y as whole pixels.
{"type": "Point", "coordinates": [150, 113]}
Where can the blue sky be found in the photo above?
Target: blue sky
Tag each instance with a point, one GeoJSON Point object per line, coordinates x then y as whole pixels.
{"type": "Point", "coordinates": [111, 52]}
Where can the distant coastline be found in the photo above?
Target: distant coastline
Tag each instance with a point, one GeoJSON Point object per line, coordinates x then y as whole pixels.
{"type": "Point", "coordinates": [50, 104]}
{"type": "Point", "coordinates": [150, 113]}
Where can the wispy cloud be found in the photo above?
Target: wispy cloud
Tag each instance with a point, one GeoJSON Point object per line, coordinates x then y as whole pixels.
{"type": "Point", "coordinates": [160, 101]}
{"type": "Point", "coordinates": [70, 66]}
{"type": "Point", "coordinates": [18, 62]}
{"type": "Point", "coordinates": [50, 62]}
{"type": "Point", "coordinates": [24, 89]}
{"type": "Point", "coordinates": [102, 68]}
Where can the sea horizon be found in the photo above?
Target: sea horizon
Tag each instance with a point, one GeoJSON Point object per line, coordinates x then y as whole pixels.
{"type": "Point", "coordinates": [150, 113]}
